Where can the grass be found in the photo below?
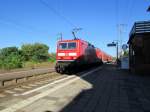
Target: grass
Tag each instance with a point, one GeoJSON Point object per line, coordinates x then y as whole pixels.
{"type": "Point", "coordinates": [38, 65]}
{"type": "Point", "coordinates": [31, 65]}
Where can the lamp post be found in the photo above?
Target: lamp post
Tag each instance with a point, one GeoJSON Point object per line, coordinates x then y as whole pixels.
{"type": "Point", "coordinates": [117, 49]}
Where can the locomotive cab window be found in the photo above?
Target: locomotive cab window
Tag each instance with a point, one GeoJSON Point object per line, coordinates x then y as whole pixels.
{"type": "Point", "coordinates": [63, 46]}
{"type": "Point", "coordinates": [71, 45]}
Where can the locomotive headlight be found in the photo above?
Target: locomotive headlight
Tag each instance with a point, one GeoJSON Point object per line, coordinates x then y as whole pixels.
{"type": "Point", "coordinates": [72, 54]}
{"type": "Point", "coordinates": [74, 58]}
{"type": "Point", "coordinates": [59, 57]}
{"type": "Point", "coordinates": [61, 54]}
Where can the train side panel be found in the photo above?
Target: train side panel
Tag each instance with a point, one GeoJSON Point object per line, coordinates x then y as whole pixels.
{"type": "Point", "coordinates": [77, 54]}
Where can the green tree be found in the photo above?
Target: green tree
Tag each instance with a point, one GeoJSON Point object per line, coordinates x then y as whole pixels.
{"type": "Point", "coordinates": [10, 57]}
{"type": "Point", "coordinates": [35, 52]}
{"type": "Point", "coordinates": [7, 51]}
{"type": "Point", "coordinates": [126, 53]}
{"type": "Point", "coordinates": [27, 51]}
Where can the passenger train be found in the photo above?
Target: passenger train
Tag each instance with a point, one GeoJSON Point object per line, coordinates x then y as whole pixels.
{"type": "Point", "coordinates": [77, 53]}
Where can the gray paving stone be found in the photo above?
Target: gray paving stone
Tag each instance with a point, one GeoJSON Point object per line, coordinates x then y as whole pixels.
{"type": "Point", "coordinates": [114, 91]}
{"type": "Point", "coordinates": [51, 98]}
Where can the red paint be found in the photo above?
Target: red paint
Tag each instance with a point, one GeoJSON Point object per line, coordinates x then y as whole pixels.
{"type": "Point", "coordinates": [83, 49]}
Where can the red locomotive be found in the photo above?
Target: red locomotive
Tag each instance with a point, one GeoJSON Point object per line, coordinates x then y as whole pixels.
{"type": "Point", "coordinates": [73, 54]}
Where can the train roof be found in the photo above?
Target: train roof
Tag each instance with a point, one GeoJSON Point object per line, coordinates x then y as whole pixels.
{"type": "Point", "coordinates": [74, 40]}
{"type": "Point", "coordinates": [67, 40]}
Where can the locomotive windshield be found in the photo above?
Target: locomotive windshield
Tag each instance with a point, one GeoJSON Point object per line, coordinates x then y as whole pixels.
{"type": "Point", "coordinates": [63, 46]}
{"type": "Point", "coordinates": [72, 45]}
{"type": "Point", "coordinates": [69, 45]}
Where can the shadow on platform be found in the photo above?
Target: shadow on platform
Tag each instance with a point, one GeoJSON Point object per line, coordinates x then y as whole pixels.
{"type": "Point", "coordinates": [113, 90]}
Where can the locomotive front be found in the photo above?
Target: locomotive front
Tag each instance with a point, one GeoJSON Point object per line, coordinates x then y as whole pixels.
{"type": "Point", "coordinates": [67, 54]}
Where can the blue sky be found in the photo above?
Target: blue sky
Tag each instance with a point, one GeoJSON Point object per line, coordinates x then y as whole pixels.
{"type": "Point", "coordinates": [30, 21]}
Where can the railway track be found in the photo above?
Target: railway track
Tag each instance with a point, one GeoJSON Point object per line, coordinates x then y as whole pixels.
{"type": "Point", "coordinates": [8, 79]}
{"type": "Point", "coordinates": [30, 92]}
{"type": "Point", "coordinates": [16, 78]}
{"type": "Point", "coordinates": [31, 86]}
{"type": "Point", "coordinates": [28, 85]}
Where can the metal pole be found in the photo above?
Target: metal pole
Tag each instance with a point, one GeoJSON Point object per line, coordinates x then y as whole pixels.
{"type": "Point", "coordinates": [74, 35]}
{"type": "Point", "coordinates": [60, 36]}
{"type": "Point", "coordinates": [117, 50]}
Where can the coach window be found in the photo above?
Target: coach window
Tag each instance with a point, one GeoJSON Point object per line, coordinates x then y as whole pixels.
{"type": "Point", "coordinates": [63, 46]}
{"type": "Point", "coordinates": [72, 45]}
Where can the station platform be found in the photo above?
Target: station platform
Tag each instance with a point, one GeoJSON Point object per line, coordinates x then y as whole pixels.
{"type": "Point", "coordinates": [113, 90]}
{"type": "Point", "coordinates": [102, 89]}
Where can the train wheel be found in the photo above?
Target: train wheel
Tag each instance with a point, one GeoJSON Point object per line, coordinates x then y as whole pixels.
{"type": "Point", "coordinates": [62, 69]}
{"type": "Point", "coordinates": [68, 70]}
{"type": "Point", "coordinates": [57, 68]}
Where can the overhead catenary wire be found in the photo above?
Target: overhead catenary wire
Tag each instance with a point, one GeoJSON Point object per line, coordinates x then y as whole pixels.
{"type": "Point", "coordinates": [20, 26]}
{"type": "Point", "coordinates": [128, 16]}
{"type": "Point", "coordinates": [117, 11]}
{"type": "Point", "coordinates": [15, 25]}
{"type": "Point", "coordinates": [131, 9]}
{"type": "Point", "coordinates": [57, 13]}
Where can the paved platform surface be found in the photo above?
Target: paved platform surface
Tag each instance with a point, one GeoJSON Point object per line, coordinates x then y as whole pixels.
{"type": "Point", "coordinates": [106, 89]}
{"type": "Point", "coordinates": [113, 91]}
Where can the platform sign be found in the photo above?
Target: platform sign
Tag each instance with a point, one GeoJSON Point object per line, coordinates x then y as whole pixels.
{"type": "Point", "coordinates": [124, 47]}
{"type": "Point", "coordinates": [111, 45]}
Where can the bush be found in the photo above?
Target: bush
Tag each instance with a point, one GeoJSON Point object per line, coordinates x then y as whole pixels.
{"type": "Point", "coordinates": [12, 61]}
{"type": "Point", "coordinates": [35, 52]}
{"type": "Point", "coordinates": [52, 57]}
{"type": "Point", "coordinates": [10, 58]}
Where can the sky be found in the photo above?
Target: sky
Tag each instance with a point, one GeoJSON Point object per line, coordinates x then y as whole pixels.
{"type": "Point", "coordinates": [102, 21]}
